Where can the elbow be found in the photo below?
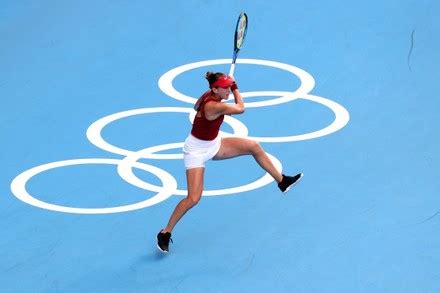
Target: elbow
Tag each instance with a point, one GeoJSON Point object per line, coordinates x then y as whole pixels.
{"type": "Point", "coordinates": [241, 110]}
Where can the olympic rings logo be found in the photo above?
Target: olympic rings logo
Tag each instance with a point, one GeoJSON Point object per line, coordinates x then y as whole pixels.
{"type": "Point", "coordinates": [169, 185]}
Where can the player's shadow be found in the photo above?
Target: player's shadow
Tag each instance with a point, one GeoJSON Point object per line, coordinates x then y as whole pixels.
{"type": "Point", "coordinates": [153, 256]}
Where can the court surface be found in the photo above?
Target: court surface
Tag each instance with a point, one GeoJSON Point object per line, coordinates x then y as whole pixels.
{"type": "Point", "coordinates": [95, 104]}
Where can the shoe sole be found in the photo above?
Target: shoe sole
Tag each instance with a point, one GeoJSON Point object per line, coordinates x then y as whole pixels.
{"type": "Point", "coordinates": [294, 183]}
{"type": "Point", "coordinates": [161, 250]}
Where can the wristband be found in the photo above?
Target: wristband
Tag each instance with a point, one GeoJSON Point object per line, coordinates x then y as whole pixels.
{"type": "Point", "coordinates": [234, 86]}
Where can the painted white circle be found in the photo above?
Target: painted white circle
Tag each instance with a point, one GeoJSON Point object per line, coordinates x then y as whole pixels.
{"type": "Point", "coordinates": [18, 187]}
{"type": "Point", "coordinates": [95, 137]}
{"type": "Point", "coordinates": [307, 82]}
{"type": "Point", "coordinates": [341, 119]}
{"type": "Point", "coordinates": [126, 172]}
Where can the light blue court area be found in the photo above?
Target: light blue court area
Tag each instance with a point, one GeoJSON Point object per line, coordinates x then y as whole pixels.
{"type": "Point", "coordinates": [96, 101]}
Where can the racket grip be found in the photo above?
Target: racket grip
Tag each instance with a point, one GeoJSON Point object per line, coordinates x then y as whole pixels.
{"type": "Point", "coordinates": [231, 71]}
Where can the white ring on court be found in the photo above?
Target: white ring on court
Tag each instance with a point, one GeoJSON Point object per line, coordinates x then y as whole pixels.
{"type": "Point", "coordinates": [126, 172]}
{"type": "Point", "coordinates": [341, 119]}
{"type": "Point", "coordinates": [18, 187]}
{"type": "Point", "coordinates": [95, 129]}
{"type": "Point", "coordinates": [307, 82]}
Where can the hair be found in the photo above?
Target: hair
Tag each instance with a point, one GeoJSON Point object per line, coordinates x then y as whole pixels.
{"type": "Point", "coordinates": [212, 77]}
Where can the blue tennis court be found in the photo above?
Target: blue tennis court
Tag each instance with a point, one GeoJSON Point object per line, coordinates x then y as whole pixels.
{"type": "Point", "coordinates": [96, 103]}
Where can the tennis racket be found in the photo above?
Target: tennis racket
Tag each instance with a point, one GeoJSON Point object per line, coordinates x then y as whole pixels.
{"type": "Point", "coordinates": [240, 34]}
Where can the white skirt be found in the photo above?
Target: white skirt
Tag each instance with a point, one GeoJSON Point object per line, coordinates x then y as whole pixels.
{"type": "Point", "coordinates": [196, 151]}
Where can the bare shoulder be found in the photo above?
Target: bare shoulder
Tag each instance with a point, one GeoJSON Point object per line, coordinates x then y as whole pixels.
{"type": "Point", "coordinates": [215, 109]}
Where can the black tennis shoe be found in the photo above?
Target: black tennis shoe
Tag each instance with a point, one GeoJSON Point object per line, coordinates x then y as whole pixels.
{"type": "Point", "coordinates": [289, 181]}
{"type": "Point", "coordinates": [163, 241]}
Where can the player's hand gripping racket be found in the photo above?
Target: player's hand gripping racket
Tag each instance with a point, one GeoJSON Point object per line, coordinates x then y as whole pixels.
{"type": "Point", "coordinates": [240, 34]}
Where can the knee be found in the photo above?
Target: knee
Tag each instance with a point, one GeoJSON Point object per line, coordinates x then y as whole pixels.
{"type": "Point", "coordinates": [255, 147]}
{"type": "Point", "coordinates": [193, 200]}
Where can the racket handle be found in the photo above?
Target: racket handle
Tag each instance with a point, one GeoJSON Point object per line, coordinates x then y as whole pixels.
{"type": "Point", "coordinates": [231, 71]}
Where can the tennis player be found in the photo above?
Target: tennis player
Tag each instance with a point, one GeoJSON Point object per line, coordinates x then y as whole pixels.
{"type": "Point", "coordinates": [204, 144]}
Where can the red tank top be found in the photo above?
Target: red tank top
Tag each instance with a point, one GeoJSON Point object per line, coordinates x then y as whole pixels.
{"type": "Point", "coordinates": [203, 128]}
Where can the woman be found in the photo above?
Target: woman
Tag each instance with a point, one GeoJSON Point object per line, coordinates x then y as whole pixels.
{"type": "Point", "coordinates": [204, 144]}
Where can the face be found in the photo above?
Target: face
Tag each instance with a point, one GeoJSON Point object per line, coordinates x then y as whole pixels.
{"type": "Point", "coordinates": [223, 93]}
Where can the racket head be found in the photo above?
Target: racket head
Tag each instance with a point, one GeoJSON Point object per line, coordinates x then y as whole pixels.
{"type": "Point", "coordinates": [240, 31]}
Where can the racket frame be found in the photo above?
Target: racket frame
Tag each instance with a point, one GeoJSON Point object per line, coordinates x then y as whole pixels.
{"type": "Point", "coordinates": [236, 48]}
